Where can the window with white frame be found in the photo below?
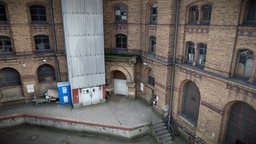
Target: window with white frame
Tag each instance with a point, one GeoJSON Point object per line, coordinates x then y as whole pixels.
{"type": "Point", "coordinates": [121, 14]}
{"type": "Point", "coordinates": [202, 48]}
{"type": "Point", "coordinates": [244, 64]}
{"type": "Point", "coordinates": [190, 52]}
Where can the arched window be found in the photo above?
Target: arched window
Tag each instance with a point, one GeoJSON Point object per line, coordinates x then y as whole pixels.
{"type": "Point", "coordinates": [2, 14]}
{"type": "Point", "coordinates": [121, 14]}
{"type": "Point", "coordinates": [42, 42]}
{"type": "Point", "coordinates": [193, 15]}
{"type": "Point", "coordinates": [153, 13]}
{"type": "Point", "coordinates": [202, 54]}
{"type": "Point", "coordinates": [121, 41]}
{"type": "Point", "coordinates": [152, 45]}
{"type": "Point", "coordinates": [250, 13]}
{"type": "Point", "coordinates": [151, 78]}
{"type": "Point", "coordinates": [9, 77]}
{"type": "Point", "coordinates": [191, 102]}
{"type": "Point", "coordinates": [38, 14]}
{"type": "Point", "coordinates": [46, 73]}
{"type": "Point", "coordinates": [242, 124]}
{"type": "Point", "coordinates": [199, 14]}
{"type": "Point", "coordinates": [5, 44]}
{"type": "Point", "coordinates": [190, 52]}
{"type": "Point", "coordinates": [244, 64]}
{"type": "Point", "coordinates": [206, 14]}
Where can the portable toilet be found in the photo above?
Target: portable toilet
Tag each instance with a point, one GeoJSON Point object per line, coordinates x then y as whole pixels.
{"type": "Point", "coordinates": [64, 93]}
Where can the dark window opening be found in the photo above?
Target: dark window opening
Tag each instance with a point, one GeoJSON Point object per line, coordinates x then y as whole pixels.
{"type": "Point", "coordinates": [153, 14]}
{"type": "Point", "coordinates": [152, 45]}
{"type": "Point", "coordinates": [9, 77]}
{"type": "Point", "coordinates": [121, 41]}
{"type": "Point", "coordinates": [121, 14]}
{"type": "Point", "coordinates": [190, 52]}
{"type": "Point", "coordinates": [242, 124]}
{"type": "Point", "coordinates": [151, 78]}
{"type": "Point", "coordinates": [42, 42]}
{"type": "Point", "coordinates": [38, 14]}
{"type": "Point", "coordinates": [193, 15]}
{"type": "Point", "coordinates": [46, 73]}
{"type": "Point", "coordinates": [206, 14]}
{"type": "Point", "coordinates": [2, 14]}
{"type": "Point", "coordinates": [250, 13]}
{"type": "Point", "coordinates": [191, 102]}
{"type": "Point", "coordinates": [5, 44]}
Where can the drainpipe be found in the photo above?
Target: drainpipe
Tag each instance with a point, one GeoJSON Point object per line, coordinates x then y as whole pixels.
{"type": "Point", "coordinates": [57, 72]}
{"type": "Point", "coordinates": [174, 59]}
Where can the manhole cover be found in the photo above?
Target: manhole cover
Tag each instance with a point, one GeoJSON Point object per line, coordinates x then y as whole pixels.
{"type": "Point", "coordinates": [33, 137]}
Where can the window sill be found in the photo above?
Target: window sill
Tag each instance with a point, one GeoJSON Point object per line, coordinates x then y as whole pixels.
{"type": "Point", "coordinates": [39, 23]}
{"type": "Point", "coordinates": [186, 121]}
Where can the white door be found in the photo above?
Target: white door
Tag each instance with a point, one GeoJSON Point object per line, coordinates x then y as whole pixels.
{"type": "Point", "coordinates": [96, 95]}
{"type": "Point", "coordinates": [120, 87]}
{"type": "Point", "coordinates": [85, 96]}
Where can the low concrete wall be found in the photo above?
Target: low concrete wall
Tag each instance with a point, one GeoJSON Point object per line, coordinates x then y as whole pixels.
{"type": "Point", "coordinates": [72, 125]}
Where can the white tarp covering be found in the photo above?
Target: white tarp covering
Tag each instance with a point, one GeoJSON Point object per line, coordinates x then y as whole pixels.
{"type": "Point", "coordinates": [84, 39]}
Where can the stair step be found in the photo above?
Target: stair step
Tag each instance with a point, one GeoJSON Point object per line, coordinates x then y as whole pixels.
{"type": "Point", "coordinates": [161, 137]}
{"type": "Point", "coordinates": [159, 124]}
{"type": "Point", "coordinates": [162, 132]}
{"type": "Point", "coordinates": [167, 139]}
{"type": "Point", "coordinates": [155, 123]}
{"type": "Point", "coordinates": [159, 127]}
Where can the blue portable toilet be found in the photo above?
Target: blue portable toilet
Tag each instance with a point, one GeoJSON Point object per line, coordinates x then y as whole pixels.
{"type": "Point", "coordinates": [64, 93]}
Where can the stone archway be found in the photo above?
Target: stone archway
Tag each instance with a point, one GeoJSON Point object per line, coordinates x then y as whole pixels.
{"type": "Point", "coordinates": [10, 84]}
{"type": "Point", "coordinates": [121, 74]}
{"type": "Point", "coordinates": [238, 121]}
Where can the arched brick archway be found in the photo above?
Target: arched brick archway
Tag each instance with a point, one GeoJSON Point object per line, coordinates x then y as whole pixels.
{"type": "Point", "coordinates": [10, 84]}
{"type": "Point", "coordinates": [241, 118]}
{"type": "Point", "coordinates": [127, 82]}
{"type": "Point", "coordinates": [109, 73]}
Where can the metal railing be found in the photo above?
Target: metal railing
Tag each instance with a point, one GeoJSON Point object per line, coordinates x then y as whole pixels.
{"type": "Point", "coordinates": [173, 127]}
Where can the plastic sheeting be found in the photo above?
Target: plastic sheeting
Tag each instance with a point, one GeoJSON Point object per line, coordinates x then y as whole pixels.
{"type": "Point", "coordinates": [84, 39]}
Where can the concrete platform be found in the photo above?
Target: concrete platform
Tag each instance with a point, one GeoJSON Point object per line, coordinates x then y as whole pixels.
{"type": "Point", "coordinates": [117, 116]}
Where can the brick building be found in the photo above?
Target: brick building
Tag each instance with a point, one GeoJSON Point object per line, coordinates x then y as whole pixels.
{"type": "Point", "coordinates": [195, 57]}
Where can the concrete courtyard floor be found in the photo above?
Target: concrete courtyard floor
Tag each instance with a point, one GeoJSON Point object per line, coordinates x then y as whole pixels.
{"type": "Point", "coordinates": [27, 134]}
{"type": "Point", "coordinates": [117, 111]}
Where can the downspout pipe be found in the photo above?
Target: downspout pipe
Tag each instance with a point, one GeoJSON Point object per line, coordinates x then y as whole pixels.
{"type": "Point", "coordinates": [174, 59]}
{"type": "Point", "coordinates": [57, 72]}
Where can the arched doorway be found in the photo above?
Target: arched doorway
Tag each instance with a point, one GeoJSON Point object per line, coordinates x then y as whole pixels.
{"type": "Point", "coordinates": [120, 83]}
{"type": "Point", "coordinates": [191, 102]}
{"type": "Point", "coordinates": [46, 77]}
{"type": "Point", "coordinates": [10, 84]}
{"type": "Point", "coordinates": [241, 127]}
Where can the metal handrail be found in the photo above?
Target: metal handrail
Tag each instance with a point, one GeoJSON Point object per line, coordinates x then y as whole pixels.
{"type": "Point", "coordinates": [174, 131]}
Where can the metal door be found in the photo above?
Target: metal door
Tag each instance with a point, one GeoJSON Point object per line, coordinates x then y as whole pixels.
{"type": "Point", "coordinates": [96, 94]}
{"type": "Point", "coordinates": [85, 96]}
{"type": "Point", "coordinates": [120, 87]}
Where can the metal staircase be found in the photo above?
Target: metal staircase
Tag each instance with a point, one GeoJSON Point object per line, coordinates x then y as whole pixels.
{"type": "Point", "coordinates": [162, 133]}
